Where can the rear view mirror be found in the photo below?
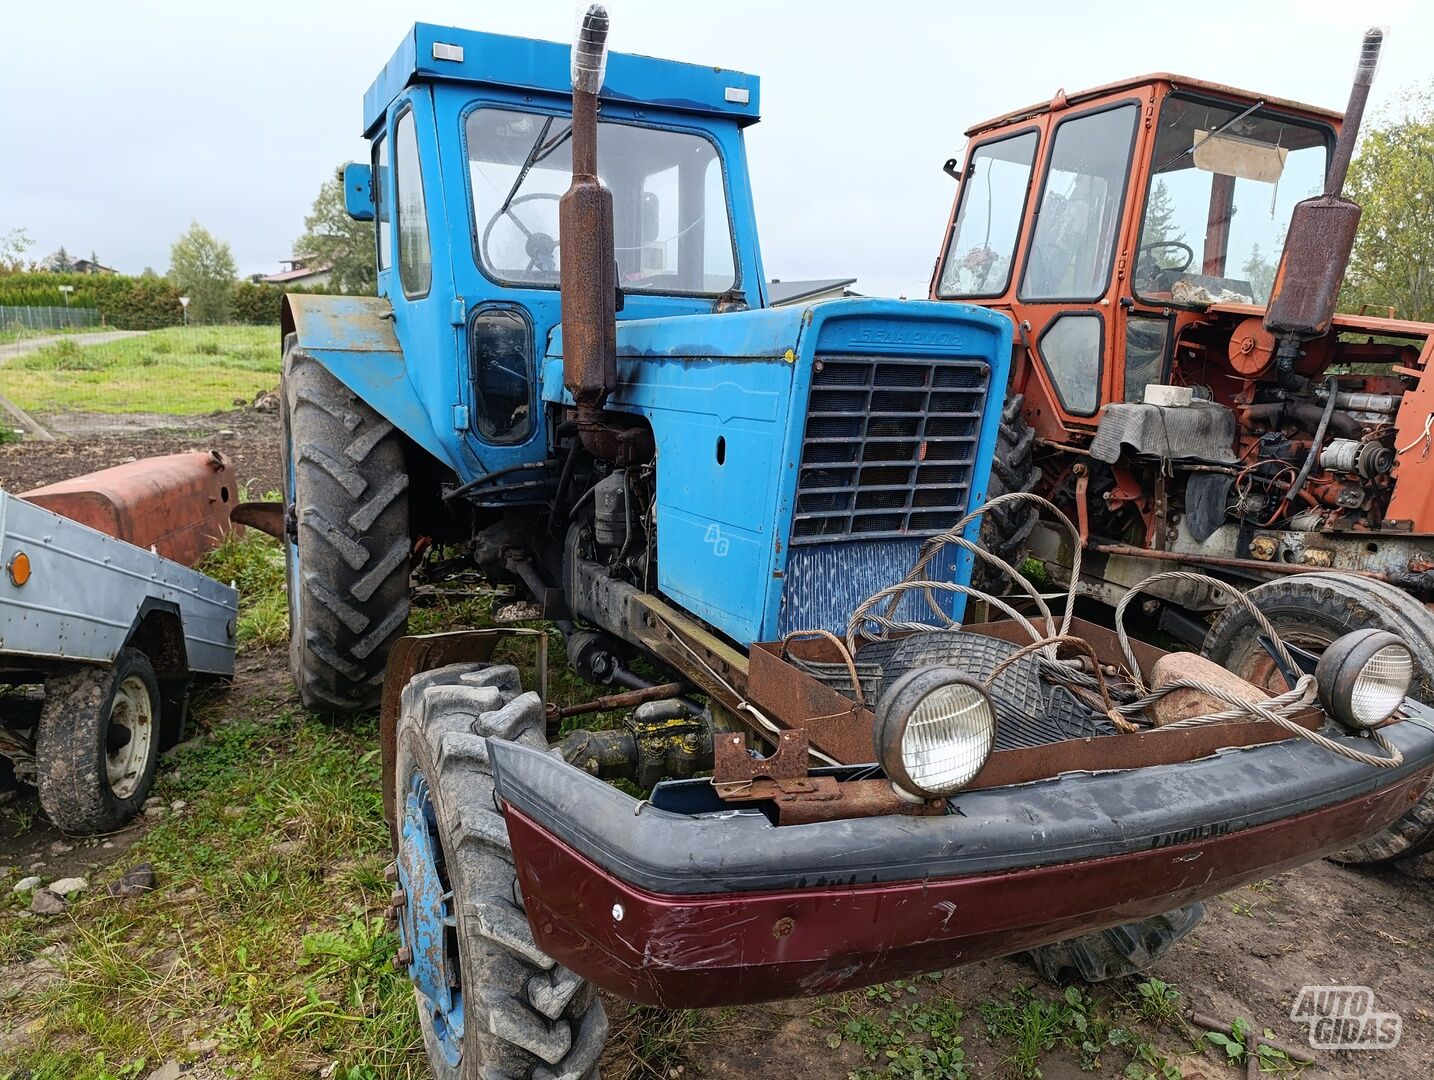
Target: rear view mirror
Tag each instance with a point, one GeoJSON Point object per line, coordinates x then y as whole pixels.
{"type": "Point", "coordinates": [1247, 159]}
{"type": "Point", "coordinates": [358, 191]}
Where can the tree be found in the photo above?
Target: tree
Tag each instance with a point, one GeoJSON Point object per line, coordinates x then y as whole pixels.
{"type": "Point", "coordinates": [59, 262]}
{"type": "Point", "coordinates": [1259, 272]}
{"type": "Point", "coordinates": [13, 246]}
{"type": "Point", "coordinates": [332, 238]}
{"type": "Point", "coordinates": [202, 267]}
{"type": "Point", "coordinates": [1392, 178]}
{"type": "Point", "coordinates": [1160, 228]}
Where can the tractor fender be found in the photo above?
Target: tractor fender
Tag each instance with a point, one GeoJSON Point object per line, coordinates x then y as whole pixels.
{"type": "Point", "coordinates": [353, 337]}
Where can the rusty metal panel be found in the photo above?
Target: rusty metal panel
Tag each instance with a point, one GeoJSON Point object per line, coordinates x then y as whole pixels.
{"type": "Point", "coordinates": [1311, 270]}
{"type": "Point", "coordinates": [178, 506]}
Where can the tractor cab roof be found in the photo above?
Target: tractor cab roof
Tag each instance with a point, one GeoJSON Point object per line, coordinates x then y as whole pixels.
{"type": "Point", "coordinates": [433, 53]}
{"type": "Point", "coordinates": [1062, 100]}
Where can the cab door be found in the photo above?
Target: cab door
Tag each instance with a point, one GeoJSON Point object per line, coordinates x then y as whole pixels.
{"type": "Point", "coordinates": [1067, 299]}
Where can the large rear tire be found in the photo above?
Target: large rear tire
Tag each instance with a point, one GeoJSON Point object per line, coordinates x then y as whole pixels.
{"type": "Point", "coordinates": [346, 510]}
{"type": "Point", "coordinates": [490, 1002]}
{"type": "Point", "coordinates": [1006, 529]}
{"type": "Point", "coordinates": [1117, 951]}
{"type": "Point", "coordinates": [1311, 610]}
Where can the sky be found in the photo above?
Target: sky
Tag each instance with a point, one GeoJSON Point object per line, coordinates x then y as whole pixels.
{"type": "Point", "coordinates": [127, 121]}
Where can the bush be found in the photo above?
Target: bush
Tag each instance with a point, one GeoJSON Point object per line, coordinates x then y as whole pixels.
{"type": "Point", "coordinates": [124, 303]}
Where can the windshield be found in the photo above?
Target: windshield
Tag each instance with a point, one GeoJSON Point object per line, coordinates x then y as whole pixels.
{"type": "Point", "coordinates": [983, 238]}
{"type": "Point", "coordinates": [670, 220]}
{"type": "Point", "coordinates": [1224, 182]}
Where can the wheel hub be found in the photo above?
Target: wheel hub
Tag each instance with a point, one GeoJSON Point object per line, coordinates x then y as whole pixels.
{"type": "Point", "coordinates": [427, 922]}
{"type": "Point", "coordinates": [128, 733]}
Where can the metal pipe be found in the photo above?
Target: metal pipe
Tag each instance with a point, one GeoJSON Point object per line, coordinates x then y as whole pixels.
{"type": "Point", "coordinates": [627, 699]}
{"type": "Point", "coordinates": [1354, 111]}
{"type": "Point", "coordinates": [1315, 446]}
{"type": "Point", "coordinates": [588, 280]}
{"type": "Point", "coordinates": [1228, 563]}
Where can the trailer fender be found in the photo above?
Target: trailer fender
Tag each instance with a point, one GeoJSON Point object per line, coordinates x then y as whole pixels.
{"type": "Point", "coordinates": [353, 337]}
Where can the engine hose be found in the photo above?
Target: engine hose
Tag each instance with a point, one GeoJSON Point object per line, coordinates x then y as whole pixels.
{"type": "Point", "coordinates": [1315, 447]}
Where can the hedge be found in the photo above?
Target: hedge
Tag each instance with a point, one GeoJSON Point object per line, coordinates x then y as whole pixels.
{"type": "Point", "coordinates": [130, 303]}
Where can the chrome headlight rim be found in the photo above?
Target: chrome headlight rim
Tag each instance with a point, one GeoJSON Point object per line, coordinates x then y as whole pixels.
{"type": "Point", "coordinates": [897, 708]}
{"type": "Point", "coordinates": [1342, 673]}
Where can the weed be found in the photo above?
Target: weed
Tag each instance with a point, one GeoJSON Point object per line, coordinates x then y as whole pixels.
{"type": "Point", "coordinates": [659, 1040]}
{"type": "Point", "coordinates": [1157, 1002]}
{"type": "Point", "coordinates": [254, 562]}
{"type": "Point", "coordinates": [1240, 1044]}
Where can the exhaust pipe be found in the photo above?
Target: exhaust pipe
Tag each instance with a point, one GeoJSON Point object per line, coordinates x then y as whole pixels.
{"type": "Point", "coordinates": [1320, 239]}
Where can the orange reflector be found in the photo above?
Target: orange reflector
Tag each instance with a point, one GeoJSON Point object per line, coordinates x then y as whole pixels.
{"type": "Point", "coordinates": [19, 568]}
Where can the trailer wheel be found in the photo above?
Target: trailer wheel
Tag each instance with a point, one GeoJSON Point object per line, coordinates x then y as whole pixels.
{"type": "Point", "coordinates": [490, 1003]}
{"type": "Point", "coordinates": [1311, 610]}
{"type": "Point", "coordinates": [97, 743]}
{"type": "Point", "coordinates": [1118, 951]}
{"type": "Point", "coordinates": [1005, 530]}
{"type": "Point", "coordinates": [346, 509]}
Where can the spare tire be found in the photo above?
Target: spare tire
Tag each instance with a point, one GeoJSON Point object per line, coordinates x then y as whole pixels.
{"type": "Point", "coordinates": [1311, 610]}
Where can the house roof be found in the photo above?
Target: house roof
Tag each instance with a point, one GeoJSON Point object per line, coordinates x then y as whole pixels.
{"type": "Point", "coordinates": [789, 292]}
{"type": "Point", "coordinates": [297, 274]}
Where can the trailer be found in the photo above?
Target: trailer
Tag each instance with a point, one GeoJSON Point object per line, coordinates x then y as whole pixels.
{"type": "Point", "coordinates": [100, 641]}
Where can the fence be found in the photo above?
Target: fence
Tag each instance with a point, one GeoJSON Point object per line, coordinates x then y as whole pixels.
{"type": "Point", "coordinates": [198, 379]}
{"type": "Point", "coordinates": [17, 321]}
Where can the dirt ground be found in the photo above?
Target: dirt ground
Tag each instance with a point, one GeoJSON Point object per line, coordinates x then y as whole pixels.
{"type": "Point", "coordinates": [1258, 945]}
{"type": "Point", "coordinates": [250, 437]}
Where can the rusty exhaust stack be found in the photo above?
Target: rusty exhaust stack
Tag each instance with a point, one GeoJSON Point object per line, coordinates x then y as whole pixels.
{"type": "Point", "coordinates": [1320, 238]}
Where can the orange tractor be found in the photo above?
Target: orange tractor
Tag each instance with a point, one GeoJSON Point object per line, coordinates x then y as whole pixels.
{"type": "Point", "coordinates": [1171, 252]}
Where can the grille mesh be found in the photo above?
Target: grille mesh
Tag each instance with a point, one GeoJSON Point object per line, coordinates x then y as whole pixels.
{"type": "Point", "coordinates": [889, 446]}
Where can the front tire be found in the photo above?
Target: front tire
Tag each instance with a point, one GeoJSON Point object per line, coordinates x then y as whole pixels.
{"type": "Point", "coordinates": [1006, 530]}
{"type": "Point", "coordinates": [1310, 611]}
{"type": "Point", "coordinates": [346, 510]}
{"type": "Point", "coordinates": [490, 1002]}
{"type": "Point", "coordinates": [97, 743]}
{"type": "Point", "coordinates": [1117, 951]}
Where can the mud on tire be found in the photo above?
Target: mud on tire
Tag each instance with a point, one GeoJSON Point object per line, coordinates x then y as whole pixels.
{"type": "Point", "coordinates": [523, 1014]}
{"type": "Point", "coordinates": [1118, 951]}
{"type": "Point", "coordinates": [1311, 610]}
{"type": "Point", "coordinates": [75, 740]}
{"type": "Point", "coordinates": [346, 495]}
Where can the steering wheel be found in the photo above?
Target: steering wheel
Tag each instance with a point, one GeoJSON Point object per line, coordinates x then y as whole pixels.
{"type": "Point", "coordinates": [1150, 271]}
{"type": "Point", "coordinates": [540, 248]}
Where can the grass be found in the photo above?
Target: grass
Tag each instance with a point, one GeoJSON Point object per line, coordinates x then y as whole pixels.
{"type": "Point", "coordinates": [254, 563]}
{"type": "Point", "coordinates": [181, 371]}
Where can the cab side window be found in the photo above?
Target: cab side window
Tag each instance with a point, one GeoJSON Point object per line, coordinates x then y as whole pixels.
{"type": "Point", "coordinates": [380, 201]}
{"type": "Point", "coordinates": [501, 348]}
{"type": "Point", "coordinates": [415, 258]}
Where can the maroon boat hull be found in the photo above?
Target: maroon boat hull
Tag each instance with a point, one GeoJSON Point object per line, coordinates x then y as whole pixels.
{"type": "Point", "coordinates": [736, 948]}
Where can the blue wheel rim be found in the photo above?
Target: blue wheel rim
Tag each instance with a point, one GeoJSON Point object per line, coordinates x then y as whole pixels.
{"type": "Point", "coordinates": [428, 925]}
{"type": "Point", "coordinates": [291, 543]}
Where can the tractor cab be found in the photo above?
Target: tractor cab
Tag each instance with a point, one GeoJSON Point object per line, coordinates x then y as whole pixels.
{"type": "Point", "coordinates": [1107, 222]}
{"type": "Point", "coordinates": [471, 149]}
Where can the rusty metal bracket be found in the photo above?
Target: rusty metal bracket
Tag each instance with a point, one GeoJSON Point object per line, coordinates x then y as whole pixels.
{"type": "Point", "coordinates": [732, 765]}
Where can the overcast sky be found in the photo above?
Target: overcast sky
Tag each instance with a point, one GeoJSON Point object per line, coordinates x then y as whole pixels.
{"type": "Point", "coordinates": [124, 121]}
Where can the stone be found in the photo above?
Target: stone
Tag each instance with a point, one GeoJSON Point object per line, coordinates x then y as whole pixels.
{"type": "Point", "coordinates": [1183, 704]}
{"type": "Point", "coordinates": [235, 811]}
{"type": "Point", "coordinates": [286, 847]}
{"type": "Point", "coordinates": [170, 1070]}
{"type": "Point", "coordinates": [154, 812]}
{"type": "Point", "coordinates": [153, 800]}
{"type": "Point", "coordinates": [69, 886]}
{"type": "Point", "coordinates": [25, 884]}
{"type": "Point", "coordinates": [178, 805]}
{"type": "Point", "coordinates": [45, 902]}
{"type": "Point", "coordinates": [135, 881]}
{"type": "Point", "coordinates": [201, 1047]}
{"type": "Point", "coordinates": [59, 847]}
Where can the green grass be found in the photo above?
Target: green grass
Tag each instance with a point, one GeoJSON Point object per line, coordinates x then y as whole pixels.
{"type": "Point", "coordinates": [254, 563]}
{"type": "Point", "coordinates": [180, 371]}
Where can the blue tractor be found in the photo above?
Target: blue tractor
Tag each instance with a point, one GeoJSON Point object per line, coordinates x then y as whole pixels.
{"type": "Point", "coordinates": [571, 376]}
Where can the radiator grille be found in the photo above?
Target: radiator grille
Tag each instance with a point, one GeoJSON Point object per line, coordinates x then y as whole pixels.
{"type": "Point", "coordinates": [888, 448]}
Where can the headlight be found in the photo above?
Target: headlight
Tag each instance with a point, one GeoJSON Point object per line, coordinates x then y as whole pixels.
{"type": "Point", "coordinates": [1364, 677]}
{"type": "Point", "coordinates": [934, 731]}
